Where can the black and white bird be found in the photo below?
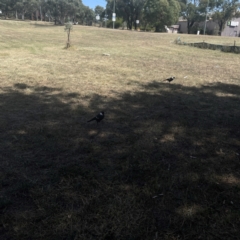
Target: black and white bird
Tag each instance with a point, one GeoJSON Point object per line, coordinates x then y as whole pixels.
{"type": "Point", "coordinates": [98, 118]}
{"type": "Point", "coordinates": [169, 79]}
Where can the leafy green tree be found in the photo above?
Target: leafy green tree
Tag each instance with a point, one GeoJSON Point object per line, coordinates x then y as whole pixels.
{"type": "Point", "coordinates": [99, 10]}
{"type": "Point", "coordinates": [6, 6]}
{"type": "Point", "coordinates": [225, 10]}
{"type": "Point", "coordinates": [53, 10]}
{"type": "Point", "coordinates": [85, 15]}
{"type": "Point", "coordinates": [128, 10]}
{"type": "Point", "coordinates": [63, 10]}
{"type": "Point", "coordinates": [190, 12]}
{"type": "Point", "coordinates": [138, 11]}
{"type": "Point", "coordinates": [159, 13]}
{"type": "Point", "coordinates": [58, 10]}
{"type": "Point", "coordinates": [24, 6]}
{"type": "Point", "coordinates": [195, 11]}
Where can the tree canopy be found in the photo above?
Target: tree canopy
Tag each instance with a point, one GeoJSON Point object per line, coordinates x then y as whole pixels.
{"type": "Point", "coordinates": [154, 14]}
{"type": "Point", "coordinates": [225, 10]}
{"type": "Point", "coordinates": [161, 12]}
{"type": "Point", "coordinates": [58, 10]}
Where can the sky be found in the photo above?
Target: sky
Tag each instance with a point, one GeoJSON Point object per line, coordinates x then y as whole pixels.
{"type": "Point", "coordinates": [93, 3]}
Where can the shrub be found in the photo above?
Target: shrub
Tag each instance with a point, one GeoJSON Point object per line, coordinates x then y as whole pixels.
{"type": "Point", "coordinates": [118, 23]}
{"type": "Point", "coordinates": [226, 49]}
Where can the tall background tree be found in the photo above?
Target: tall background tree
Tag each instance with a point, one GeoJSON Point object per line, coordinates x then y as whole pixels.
{"type": "Point", "coordinates": [156, 13]}
{"type": "Point", "coordinates": [193, 11]}
{"type": "Point", "coordinates": [224, 11]}
{"type": "Point", "coordinates": [159, 13]}
{"type": "Point", "coordinates": [99, 10]}
{"type": "Point", "coordinates": [88, 16]}
{"type": "Point", "coordinates": [23, 7]}
{"type": "Point", "coordinates": [6, 6]}
{"type": "Point", "coordinates": [152, 13]}
{"type": "Point", "coordinates": [59, 11]}
{"type": "Point", "coordinates": [128, 10]}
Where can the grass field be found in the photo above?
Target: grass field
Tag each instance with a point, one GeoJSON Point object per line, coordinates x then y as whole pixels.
{"type": "Point", "coordinates": [163, 164]}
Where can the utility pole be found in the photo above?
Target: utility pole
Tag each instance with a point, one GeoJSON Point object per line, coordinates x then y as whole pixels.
{"type": "Point", "coordinates": [41, 12]}
{"type": "Point", "coordinates": [206, 18]}
{"type": "Point", "coordinates": [114, 14]}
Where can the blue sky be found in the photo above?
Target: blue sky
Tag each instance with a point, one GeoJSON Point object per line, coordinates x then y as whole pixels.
{"type": "Point", "coordinates": [93, 3]}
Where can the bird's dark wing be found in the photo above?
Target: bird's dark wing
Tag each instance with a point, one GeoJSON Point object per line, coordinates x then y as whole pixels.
{"type": "Point", "coordinates": [169, 79]}
{"type": "Point", "coordinates": [98, 118]}
{"type": "Point", "coordinates": [92, 119]}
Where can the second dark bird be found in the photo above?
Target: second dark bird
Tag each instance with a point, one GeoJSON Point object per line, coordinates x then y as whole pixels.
{"type": "Point", "coordinates": [98, 118]}
{"type": "Point", "coordinates": [169, 79]}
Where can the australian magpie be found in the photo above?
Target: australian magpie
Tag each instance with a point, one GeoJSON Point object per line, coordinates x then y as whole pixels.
{"type": "Point", "coordinates": [98, 118]}
{"type": "Point", "coordinates": [169, 79]}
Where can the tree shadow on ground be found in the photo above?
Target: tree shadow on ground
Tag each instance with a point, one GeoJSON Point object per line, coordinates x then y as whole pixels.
{"type": "Point", "coordinates": [163, 164]}
{"type": "Point", "coordinates": [39, 25]}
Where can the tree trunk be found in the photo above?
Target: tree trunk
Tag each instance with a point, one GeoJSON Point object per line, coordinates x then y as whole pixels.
{"type": "Point", "coordinates": [220, 27]}
{"type": "Point", "coordinates": [41, 12]}
{"type": "Point", "coordinates": [23, 16]}
{"type": "Point", "coordinates": [145, 26]}
{"type": "Point", "coordinates": [16, 15]}
{"type": "Point", "coordinates": [55, 14]}
{"type": "Point", "coordinates": [68, 43]}
{"type": "Point", "coordinates": [129, 23]}
{"type": "Point", "coordinates": [188, 27]}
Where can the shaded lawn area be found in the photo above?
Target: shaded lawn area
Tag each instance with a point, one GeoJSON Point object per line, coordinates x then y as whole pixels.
{"type": "Point", "coordinates": [163, 164]}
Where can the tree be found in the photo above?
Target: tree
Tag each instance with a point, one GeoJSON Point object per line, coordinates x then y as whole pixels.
{"type": "Point", "coordinates": [6, 6]}
{"type": "Point", "coordinates": [24, 6]}
{"type": "Point", "coordinates": [87, 15]}
{"type": "Point", "coordinates": [159, 13]}
{"type": "Point", "coordinates": [195, 11]}
{"type": "Point", "coordinates": [128, 10]}
{"type": "Point", "coordinates": [189, 11]}
{"type": "Point", "coordinates": [74, 6]}
{"type": "Point", "coordinates": [60, 11]}
{"type": "Point", "coordinates": [63, 10]}
{"type": "Point", "coordinates": [138, 11]}
{"type": "Point", "coordinates": [225, 10]}
{"type": "Point", "coordinates": [99, 10]}
{"type": "Point", "coordinates": [68, 29]}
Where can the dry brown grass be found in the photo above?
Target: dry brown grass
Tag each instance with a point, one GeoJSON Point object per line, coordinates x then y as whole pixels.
{"type": "Point", "coordinates": [163, 164]}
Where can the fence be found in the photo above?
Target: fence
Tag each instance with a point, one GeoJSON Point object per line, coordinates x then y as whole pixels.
{"type": "Point", "coordinates": [204, 45]}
